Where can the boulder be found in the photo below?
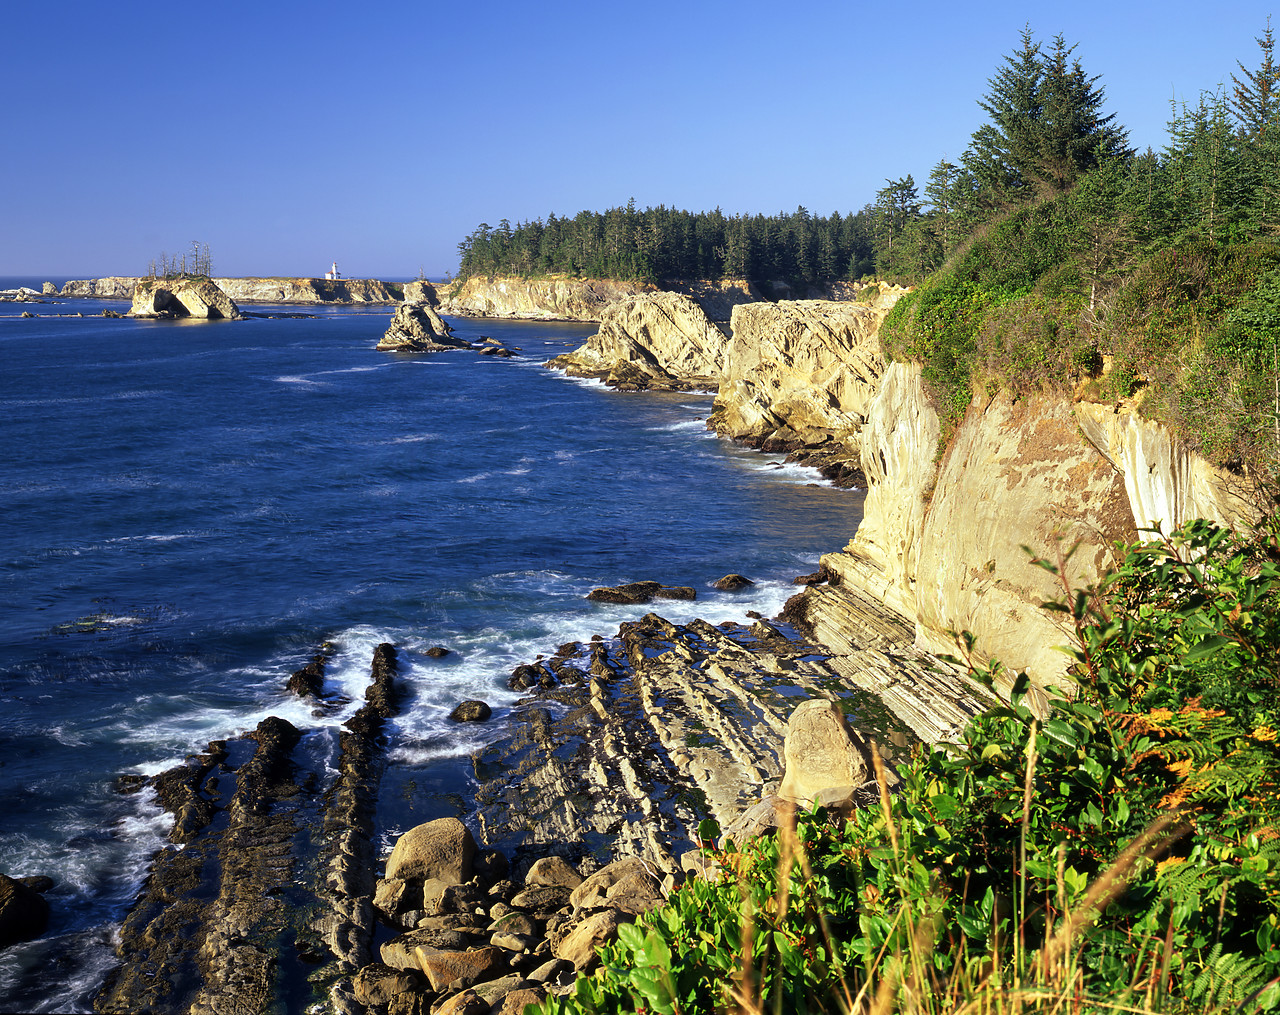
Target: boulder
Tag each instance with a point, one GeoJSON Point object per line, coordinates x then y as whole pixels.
{"type": "Point", "coordinates": [473, 966]}
{"type": "Point", "coordinates": [581, 943]}
{"type": "Point", "coordinates": [625, 885]}
{"type": "Point", "coordinates": [640, 592]}
{"type": "Point", "coordinates": [442, 849]}
{"type": "Point", "coordinates": [466, 1003]}
{"type": "Point", "coordinates": [49, 289]}
{"type": "Point", "coordinates": [471, 711]}
{"type": "Point", "coordinates": [733, 583]}
{"type": "Point", "coordinates": [24, 914]}
{"type": "Point", "coordinates": [761, 819]}
{"type": "Point", "coordinates": [541, 898]}
{"type": "Point", "coordinates": [437, 652]}
{"type": "Point", "coordinates": [416, 327]}
{"type": "Point", "coordinates": [553, 871]}
{"type": "Point", "coordinates": [377, 983]}
{"type": "Point", "coordinates": [519, 1000]}
{"type": "Point", "coordinates": [401, 951]}
{"type": "Point", "coordinates": [820, 752]}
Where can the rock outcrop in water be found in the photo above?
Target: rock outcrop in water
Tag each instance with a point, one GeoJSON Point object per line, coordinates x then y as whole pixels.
{"type": "Point", "coordinates": [661, 341]}
{"type": "Point", "coordinates": [416, 327]}
{"type": "Point", "coordinates": [270, 885]}
{"type": "Point", "coordinates": [182, 297]}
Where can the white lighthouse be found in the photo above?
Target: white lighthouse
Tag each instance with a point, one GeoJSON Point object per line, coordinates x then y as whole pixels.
{"type": "Point", "coordinates": [333, 272]}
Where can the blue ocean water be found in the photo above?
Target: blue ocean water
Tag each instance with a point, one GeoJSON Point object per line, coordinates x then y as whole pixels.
{"type": "Point", "coordinates": [191, 508]}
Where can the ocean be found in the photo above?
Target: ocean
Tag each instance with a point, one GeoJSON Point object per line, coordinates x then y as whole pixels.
{"type": "Point", "coordinates": [191, 509]}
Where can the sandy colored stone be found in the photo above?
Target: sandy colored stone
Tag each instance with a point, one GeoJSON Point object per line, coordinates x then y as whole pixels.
{"type": "Point", "coordinates": [581, 943]}
{"type": "Point", "coordinates": [821, 751]}
{"type": "Point", "coordinates": [474, 964]}
{"type": "Point", "coordinates": [517, 1001]}
{"type": "Point", "coordinates": [441, 849]}
{"type": "Point", "coordinates": [468, 1002]}
{"type": "Point", "coordinates": [553, 871]}
{"type": "Point", "coordinates": [625, 885]}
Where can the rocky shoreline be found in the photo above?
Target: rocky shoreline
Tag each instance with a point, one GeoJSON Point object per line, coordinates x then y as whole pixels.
{"type": "Point", "coordinates": [585, 813]}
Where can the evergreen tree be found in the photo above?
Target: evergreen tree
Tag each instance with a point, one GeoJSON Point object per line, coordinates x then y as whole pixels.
{"type": "Point", "coordinates": [1256, 100]}
{"type": "Point", "coordinates": [1046, 129]}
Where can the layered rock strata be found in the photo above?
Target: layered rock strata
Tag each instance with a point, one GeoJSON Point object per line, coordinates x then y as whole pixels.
{"type": "Point", "coordinates": [944, 543]}
{"type": "Point", "coordinates": [182, 297]}
{"type": "Point", "coordinates": [416, 327]}
{"type": "Point", "coordinates": [253, 290]}
{"type": "Point", "coordinates": [663, 341]}
{"type": "Point", "coordinates": [270, 885]}
{"type": "Point", "coordinates": [632, 741]}
{"type": "Point", "coordinates": [537, 299]}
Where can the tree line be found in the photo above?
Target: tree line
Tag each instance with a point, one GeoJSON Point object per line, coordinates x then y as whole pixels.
{"type": "Point", "coordinates": [1046, 138]}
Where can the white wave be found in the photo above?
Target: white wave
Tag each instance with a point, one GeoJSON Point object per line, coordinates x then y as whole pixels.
{"type": "Point", "coordinates": [299, 379]}
{"type": "Point", "coordinates": [479, 477]}
{"type": "Point", "coordinates": [416, 438]}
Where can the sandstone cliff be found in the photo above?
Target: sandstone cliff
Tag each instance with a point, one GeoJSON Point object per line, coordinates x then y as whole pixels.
{"type": "Point", "coordinates": [416, 327]}
{"type": "Point", "coordinates": [941, 542]}
{"type": "Point", "coordinates": [254, 290]}
{"type": "Point", "coordinates": [659, 340]}
{"type": "Point", "coordinates": [538, 299]}
{"type": "Point", "coordinates": [182, 297]}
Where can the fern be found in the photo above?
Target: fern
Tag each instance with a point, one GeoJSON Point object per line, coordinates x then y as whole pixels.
{"type": "Point", "coordinates": [1227, 979]}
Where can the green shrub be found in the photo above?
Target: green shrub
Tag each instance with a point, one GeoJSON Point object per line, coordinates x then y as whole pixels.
{"type": "Point", "coordinates": [1120, 853]}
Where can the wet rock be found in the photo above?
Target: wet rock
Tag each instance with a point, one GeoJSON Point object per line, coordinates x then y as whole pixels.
{"type": "Point", "coordinates": [471, 711]}
{"type": "Point", "coordinates": [524, 677]}
{"type": "Point", "coordinates": [553, 871]}
{"type": "Point", "coordinates": [821, 751]}
{"type": "Point", "coordinates": [309, 680]}
{"type": "Point", "coordinates": [733, 583]}
{"type": "Point", "coordinates": [130, 783]}
{"type": "Point", "coordinates": [24, 913]}
{"type": "Point", "coordinates": [640, 592]}
{"type": "Point", "coordinates": [442, 849]}
{"type": "Point", "coordinates": [438, 652]}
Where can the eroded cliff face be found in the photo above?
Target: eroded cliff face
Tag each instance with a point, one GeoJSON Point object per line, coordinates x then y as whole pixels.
{"type": "Point", "coordinates": [254, 290]}
{"type": "Point", "coordinates": [537, 299]}
{"type": "Point", "coordinates": [806, 365]}
{"type": "Point", "coordinates": [182, 297]}
{"type": "Point", "coordinates": [1165, 484]}
{"type": "Point", "coordinates": [661, 340]}
{"type": "Point", "coordinates": [941, 542]}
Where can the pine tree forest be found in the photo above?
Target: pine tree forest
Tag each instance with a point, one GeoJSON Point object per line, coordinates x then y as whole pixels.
{"type": "Point", "coordinates": [1047, 142]}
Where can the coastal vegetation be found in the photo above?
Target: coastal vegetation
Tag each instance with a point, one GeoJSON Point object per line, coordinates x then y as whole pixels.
{"type": "Point", "coordinates": [1120, 853]}
{"type": "Point", "coordinates": [1116, 848]}
{"type": "Point", "coordinates": [194, 262]}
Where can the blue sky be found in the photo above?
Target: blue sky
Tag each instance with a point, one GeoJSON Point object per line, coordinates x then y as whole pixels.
{"type": "Point", "coordinates": [288, 135]}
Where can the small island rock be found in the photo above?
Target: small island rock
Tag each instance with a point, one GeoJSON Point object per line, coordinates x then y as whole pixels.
{"type": "Point", "coordinates": [471, 711]}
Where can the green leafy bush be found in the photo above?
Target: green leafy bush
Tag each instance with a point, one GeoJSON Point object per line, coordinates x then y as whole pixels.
{"type": "Point", "coordinates": [1120, 852]}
